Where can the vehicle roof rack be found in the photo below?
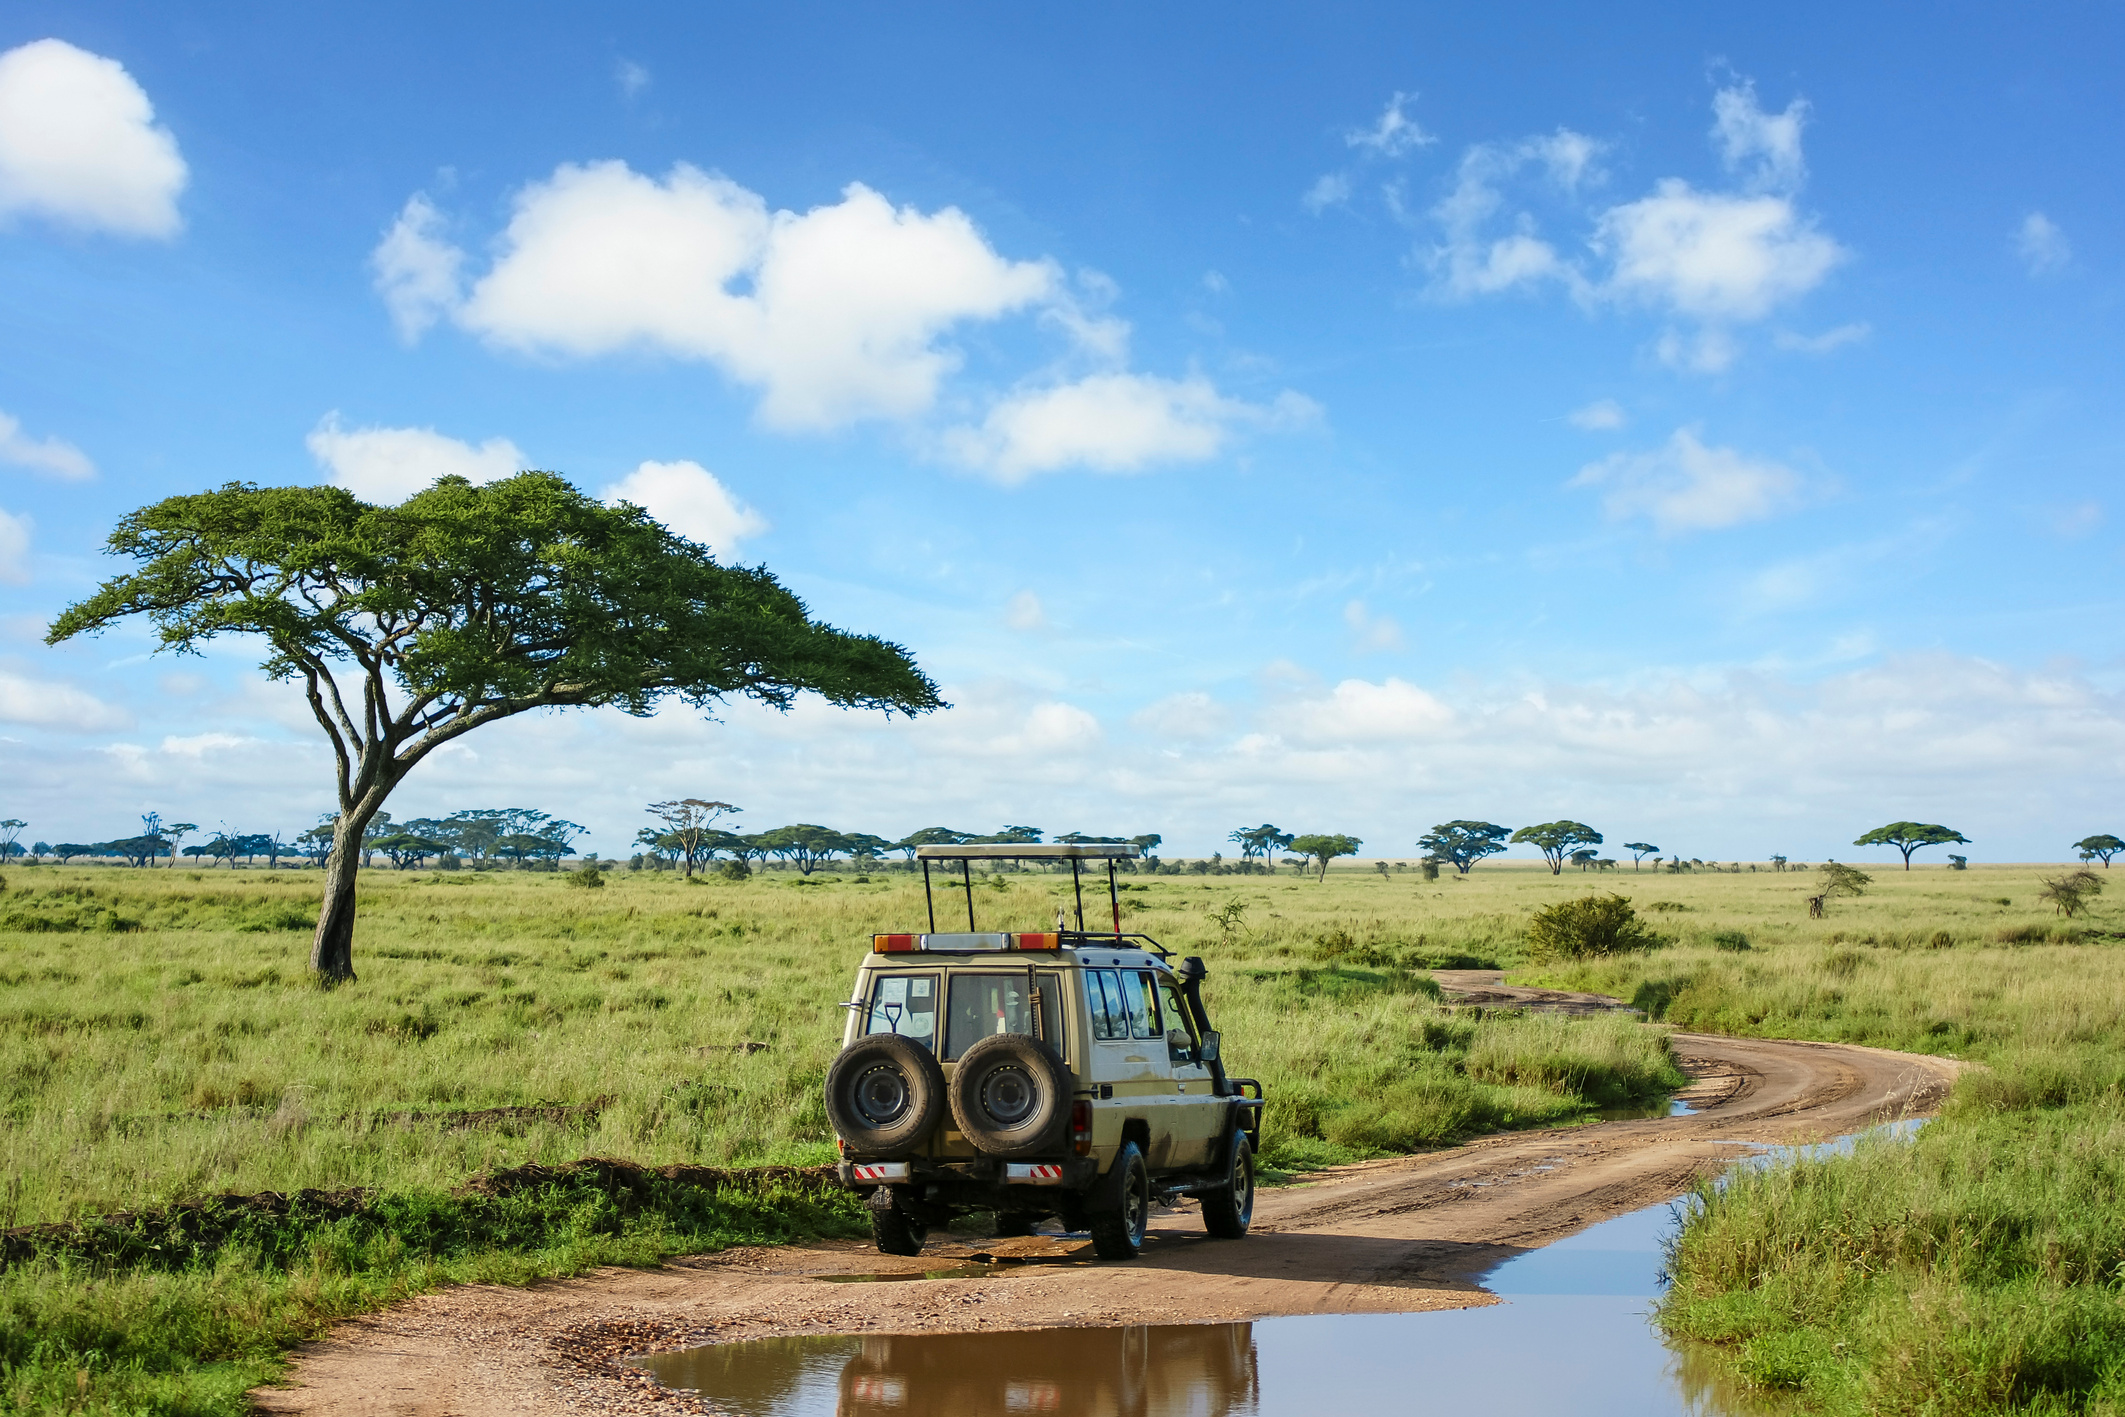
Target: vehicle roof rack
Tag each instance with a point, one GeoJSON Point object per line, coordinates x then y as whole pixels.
{"type": "Point", "coordinates": [1076, 853]}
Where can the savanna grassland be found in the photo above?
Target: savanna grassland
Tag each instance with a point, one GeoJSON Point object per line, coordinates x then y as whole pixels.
{"type": "Point", "coordinates": [159, 1042]}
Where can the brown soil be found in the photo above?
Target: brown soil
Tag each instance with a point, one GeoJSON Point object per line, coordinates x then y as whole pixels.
{"type": "Point", "coordinates": [1396, 1235]}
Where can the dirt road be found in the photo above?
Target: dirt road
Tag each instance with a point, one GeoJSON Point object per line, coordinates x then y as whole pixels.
{"type": "Point", "coordinates": [1403, 1234]}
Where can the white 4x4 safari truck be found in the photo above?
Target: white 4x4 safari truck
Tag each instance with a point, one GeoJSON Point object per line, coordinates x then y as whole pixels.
{"type": "Point", "coordinates": [1059, 1073]}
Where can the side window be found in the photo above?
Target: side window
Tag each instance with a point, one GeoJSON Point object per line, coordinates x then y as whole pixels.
{"type": "Point", "coordinates": [1110, 1015]}
{"type": "Point", "coordinates": [1181, 1042]}
{"type": "Point", "coordinates": [983, 1004]}
{"type": "Point", "coordinates": [1143, 1004]}
{"type": "Point", "coordinates": [905, 1004]}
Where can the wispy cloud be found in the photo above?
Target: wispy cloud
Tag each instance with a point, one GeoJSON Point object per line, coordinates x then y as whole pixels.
{"type": "Point", "coordinates": [2042, 246]}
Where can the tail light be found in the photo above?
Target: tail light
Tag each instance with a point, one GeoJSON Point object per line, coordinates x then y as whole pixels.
{"type": "Point", "coordinates": [892, 944]}
{"type": "Point", "coordinates": [1081, 1127]}
{"type": "Point", "coordinates": [1030, 940]}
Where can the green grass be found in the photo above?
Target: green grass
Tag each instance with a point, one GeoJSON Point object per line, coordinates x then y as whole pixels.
{"type": "Point", "coordinates": [159, 1042]}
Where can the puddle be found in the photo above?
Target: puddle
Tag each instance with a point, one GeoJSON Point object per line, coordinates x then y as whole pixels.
{"type": "Point", "coordinates": [1572, 1339]}
{"type": "Point", "coordinates": [1646, 1111]}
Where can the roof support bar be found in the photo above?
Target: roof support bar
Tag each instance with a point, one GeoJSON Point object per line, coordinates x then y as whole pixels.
{"type": "Point", "coordinates": [966, 875]}
{"type": "Point", "coordinates": [1114, 899]}
{"type": "Point", "coordinates": [927, 898]}
{"type": "Point", "coordinates": [1077, 883]}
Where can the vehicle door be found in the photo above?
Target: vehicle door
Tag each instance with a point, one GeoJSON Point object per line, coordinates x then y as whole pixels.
{"type": "Point", "coordinates": [1199, 1113]}
{"type": "Point", "coordinates": [1133, 1062]}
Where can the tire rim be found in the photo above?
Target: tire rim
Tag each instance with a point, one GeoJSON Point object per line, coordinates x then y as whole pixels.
{"type": "Point", "coordinates": [1136, 1209]}
{"type": "Point", "coordinates": [1009, 1096]}
{"type": "Point", "coordinates": [881, 1095]}
{"type": "Point", "coordinates": [1243, 1185]}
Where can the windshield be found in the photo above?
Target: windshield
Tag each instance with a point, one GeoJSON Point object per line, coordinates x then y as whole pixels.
{"type": "Point", "coordinates": [982, 1004]}
{"type": "Point", "coordinates": [905, 1004]}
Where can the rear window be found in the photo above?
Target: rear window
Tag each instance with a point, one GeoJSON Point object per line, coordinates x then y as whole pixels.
{"type": "Point", "coordinates": [982, 1004]}
{"type": "Point", "coordinates": [905, 1004]}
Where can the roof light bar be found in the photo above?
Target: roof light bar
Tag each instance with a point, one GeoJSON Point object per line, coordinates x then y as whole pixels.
{"type": "Point", "coordinates": [965, 942]}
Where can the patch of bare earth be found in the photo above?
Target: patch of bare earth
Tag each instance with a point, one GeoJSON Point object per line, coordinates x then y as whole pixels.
{"type": "Point", "coordinates": [1403, 1234]}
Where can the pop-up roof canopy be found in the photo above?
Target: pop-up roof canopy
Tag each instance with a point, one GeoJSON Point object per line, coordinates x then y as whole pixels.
{"type": "Point", "coordinates": [1074, 853]}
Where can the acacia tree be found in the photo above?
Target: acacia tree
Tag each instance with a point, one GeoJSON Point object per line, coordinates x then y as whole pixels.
{"type": "Point", "coordinates": [1639, 851]}
{"type": "Point", "coordinates": [2092, 848]}
{"type": "Point", "coordinates": [1322, 848]}
{"type": "Point", "coordinates": [1464, 843]}
{"type": "Point", "coordinates": [463, 606]}
{"type": "Point", "coordinates": [688, 821]}
{"type": "Point", "coordinates": [1555, 839]}
{"type": "Point", "coordinates": [1908, 837]}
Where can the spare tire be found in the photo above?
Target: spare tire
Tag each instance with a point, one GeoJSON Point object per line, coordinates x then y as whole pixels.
{"type": "Point", "coordinates": [884, 1094]}
{"type": "Point", "coordinates": [1011, 1097]}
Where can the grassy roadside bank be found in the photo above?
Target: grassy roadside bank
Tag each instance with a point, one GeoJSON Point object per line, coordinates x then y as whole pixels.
{"type": "Point", "coordinates": [1980, 1267]}
{"type": "Point", "coordinates": [184, 1313]}
{"type": "Point", "coordinates": [158, 1043]}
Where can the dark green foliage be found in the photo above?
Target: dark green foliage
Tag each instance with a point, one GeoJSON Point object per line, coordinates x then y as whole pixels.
{"type": "Point", "coordinates": [1908, 837]}
{"type": "Point", "coordinates": [1556, 839]}
{"type": "Point", "coordinates": [1464, 842]}
{"type": "Point", "coordinates": [1590, 927]}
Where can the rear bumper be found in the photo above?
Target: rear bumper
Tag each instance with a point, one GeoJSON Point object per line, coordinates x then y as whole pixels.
{"type": "Point", "coordinates": [981, 1181]}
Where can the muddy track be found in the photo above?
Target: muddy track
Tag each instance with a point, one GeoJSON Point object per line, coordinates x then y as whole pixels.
{"type": "Point", "coordinates": [1402, 1234]}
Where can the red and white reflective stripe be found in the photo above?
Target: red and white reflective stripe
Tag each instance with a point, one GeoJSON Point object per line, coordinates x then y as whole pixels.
{"type": "Point", "coordinates": [1035, 1171]}
{"type": "Point", "coordinates": [879, 1171]}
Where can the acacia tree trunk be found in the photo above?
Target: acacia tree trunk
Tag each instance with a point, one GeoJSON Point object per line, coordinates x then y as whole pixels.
{"type": "Point", "coordinates": [332, 948]}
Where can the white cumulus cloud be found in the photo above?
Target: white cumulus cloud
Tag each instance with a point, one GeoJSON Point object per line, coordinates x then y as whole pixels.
{"type": "Point", "coordinates": [2042, 246]}
{"type": "Point", "coordinates": [1360, 711]}
{"type": "Point", "coordinates": [79, 144]}
{"type": "Point", "coordinates": [391, 464]}
{"type": "Point", "coordinates": [418, 271]}
{"type": "Point", "coordinates": [1686, 486]}
{"type": "Point", "coordinates": [1763, 147]}
{"type": "Point", "coordinates": [1393, 133]}
{"type": "Point", "coordinates": [1370, 633]}
{"type": "Point", "coordinates": [14, 548]}
{"type": "Point", "coordinates": [46, 705]}
{"type": "Point", "coordinates": [1026, 614]}
{"type": "Point", "coordinates": [688, 498]}
{"type": "Point", "coordinates": [46, 455]}
{"type": "Point", "coordinates": [835, 314]}
{"type": "Point", "coordinates": [1713, 256]}
{"type": "Point", "coordinates": [1112, 422]}
{"type": "Point", "coordinates": [1600, 416]}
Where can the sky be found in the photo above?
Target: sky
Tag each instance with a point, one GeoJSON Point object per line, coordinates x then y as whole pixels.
{"type": "Point", "coordinates": [1703, 425]}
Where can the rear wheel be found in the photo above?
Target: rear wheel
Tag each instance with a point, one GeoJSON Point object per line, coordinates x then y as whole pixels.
{"type": "Point", "coordinates": [1228, 1212]}
{"type": "Point", "coordinates": [895, 1234]}
{"type": "Point", "coordinates": [1118, 1231]}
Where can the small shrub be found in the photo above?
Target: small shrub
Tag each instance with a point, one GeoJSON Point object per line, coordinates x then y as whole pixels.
{"type": "Point", "coordinates": [1733, 940]}
{"type": "Point", "coordinates": [2071, 893]}
{"type": "Point", "coordinates": [1590, 927]}
{"type": "Point", "coordinates": [735, 871]}
{"type": "Point", "coordinates": [587, 878]}
{"type": "Point", "coordinates": [1666, 905]}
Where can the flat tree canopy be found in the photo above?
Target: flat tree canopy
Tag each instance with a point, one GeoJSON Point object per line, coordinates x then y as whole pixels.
{"type": "Point", "coordinates": [1908, 837]}
{"type": "Point", "coordinates": [1555, 839]}
{"type": "Point", "coordinates": [2099, 848]}
{"type": "Point", "coordinates": [1464, 843]}
{"type": "Point", "coordinates": [1324, 847]}
{"type": "Point", "coordinates": [410, 626]}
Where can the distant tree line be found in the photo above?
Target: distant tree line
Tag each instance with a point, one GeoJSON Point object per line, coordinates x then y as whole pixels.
{"type": "Point", "coordinates": [482, 838]}
{"type": "Point", "coordinates": [686, 837]}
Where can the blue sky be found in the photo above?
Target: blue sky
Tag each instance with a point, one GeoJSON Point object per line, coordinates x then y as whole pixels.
{"type": "Point", "coordinates": [1702, 426]}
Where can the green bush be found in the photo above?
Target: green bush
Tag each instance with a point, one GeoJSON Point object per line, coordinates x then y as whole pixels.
{"type": "Point", "coordinates": [1593, 926]}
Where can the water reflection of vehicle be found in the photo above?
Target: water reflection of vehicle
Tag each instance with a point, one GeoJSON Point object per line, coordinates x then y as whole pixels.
{"type": "Point", "coordinates": [1170, 1370]}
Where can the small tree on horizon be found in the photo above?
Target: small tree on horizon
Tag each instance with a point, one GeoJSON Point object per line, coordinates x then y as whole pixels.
{"type": "Point", "coordinates": [1639, 851]}
{"type": "Point", "coordinates": [1322, 848]}
{"type": "Point", "coordinates": [1908, 837]}
{"type": "Point", "coordinates": [1555, 839]}
{"type": "Point", "coordinates": [463, 606]}
{"type": "Point", "coordinates": [1464, 842]}
{"type": "Point", "coordinates": [2069, 894]}
{"type": "Point", "coordinates": [2092, 848]}
{"type": "Point", "coordinates": [688, 822]}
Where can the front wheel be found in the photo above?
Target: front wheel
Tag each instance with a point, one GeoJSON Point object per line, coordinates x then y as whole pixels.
{"type": "Point", "coordinates": [895, 1233]}
{"type": "Point", "coordinates": [1118, 1231]}
{"type": "Point", "coordinates": [1229, 1211]}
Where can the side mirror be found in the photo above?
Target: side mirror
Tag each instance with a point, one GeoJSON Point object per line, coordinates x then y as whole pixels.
{"type": "Point", "coordinates": [1211, 1040]}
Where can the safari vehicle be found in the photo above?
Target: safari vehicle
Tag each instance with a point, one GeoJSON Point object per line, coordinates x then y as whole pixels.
{"type": "Point", "coordinates": [1061, 1073]}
